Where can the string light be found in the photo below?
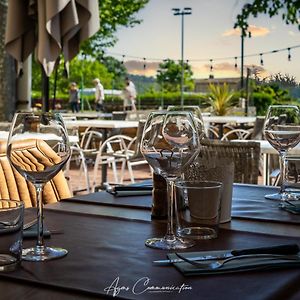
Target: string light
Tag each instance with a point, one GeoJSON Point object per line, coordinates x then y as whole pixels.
{"type": "Point", "coordinates": [205, 59]}
{"type": "Point", "coordinates": [235, 62]}
{"type": "Point", "coordinates": [123, 57]}
{"type": "Point", "coordinates": [261, 59]}
{"type": "Point", "coordinates": [289, 54]}
{"type": "Point", "coordinates": [144, 63]}
{"type": "Point", "coordinates": [211, 65]}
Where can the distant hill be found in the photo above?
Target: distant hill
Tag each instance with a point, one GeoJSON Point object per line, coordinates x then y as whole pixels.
{"type": "Point", "coordinates": [143, 83]}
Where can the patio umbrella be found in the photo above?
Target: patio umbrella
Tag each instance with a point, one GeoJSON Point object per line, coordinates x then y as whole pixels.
{"type": "Point", "coordinates": [50, 27]}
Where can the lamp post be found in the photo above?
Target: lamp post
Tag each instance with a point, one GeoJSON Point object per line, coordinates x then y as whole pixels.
{"type": "Point", "coordinates": [182, 13]}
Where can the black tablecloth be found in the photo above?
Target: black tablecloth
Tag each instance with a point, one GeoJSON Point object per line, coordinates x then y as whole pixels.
{"type": "Point", "coordinates": [107, 256]}
{"type": "Point", "coordinates": [248, 203]}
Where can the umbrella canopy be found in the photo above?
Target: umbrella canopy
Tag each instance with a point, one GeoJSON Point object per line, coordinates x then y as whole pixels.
{"type": "Point", "coordinates": [51, 27]}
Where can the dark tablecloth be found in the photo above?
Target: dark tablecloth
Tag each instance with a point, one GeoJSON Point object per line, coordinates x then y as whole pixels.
{"type": "Point", "coordinates": [109, 252]}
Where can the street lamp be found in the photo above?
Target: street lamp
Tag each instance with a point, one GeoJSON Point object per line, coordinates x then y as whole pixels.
{"type": "Point", "coordinates": [182, 13]}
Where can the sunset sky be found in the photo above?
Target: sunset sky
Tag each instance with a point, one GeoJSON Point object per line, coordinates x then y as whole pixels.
{"type": "Point", "coordinates": [209, 35]}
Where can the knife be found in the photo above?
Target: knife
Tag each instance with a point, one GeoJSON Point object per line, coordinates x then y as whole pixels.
{"type": "Point", "coordinates": [281, 249]}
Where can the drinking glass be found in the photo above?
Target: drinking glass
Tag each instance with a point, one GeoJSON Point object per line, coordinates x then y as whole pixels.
{"type": "Point", "coordinates": [196, 112]}
{"type": "Point", "coordinates": [282, 131]}
{"type": "Point", "coordinates": [38, 148]}
{"type": "Point", "coordinates": [170, 142]}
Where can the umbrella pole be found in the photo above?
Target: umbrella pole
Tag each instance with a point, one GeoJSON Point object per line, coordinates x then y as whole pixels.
{"type": "Point", "coordinates": [45, 91]}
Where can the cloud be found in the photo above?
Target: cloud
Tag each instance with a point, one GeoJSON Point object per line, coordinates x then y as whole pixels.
{"type": "Point", "coordinates": [255, 31]}
{"type": "Point", "coordinates": [137, 67]}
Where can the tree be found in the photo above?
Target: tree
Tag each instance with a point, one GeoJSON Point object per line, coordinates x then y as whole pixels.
{"type": "Point", "coordinates": [289, 10]}
{"type": "Point", "coordinates": [169, 76]}
{"type": "Point", "coordinates": [113, 13]}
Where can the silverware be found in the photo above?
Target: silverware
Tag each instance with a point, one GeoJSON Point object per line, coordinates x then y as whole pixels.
{"type": "Point", "coordinates": [220, 263]}
{"type": "Point", "coordinates": [29, 224]}
{"type": "Point", "coordinates": [281, 249]}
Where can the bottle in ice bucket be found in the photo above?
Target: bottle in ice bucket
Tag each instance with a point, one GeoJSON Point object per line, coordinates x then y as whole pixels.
{"type": "Point", "coordinates": [159, 198]}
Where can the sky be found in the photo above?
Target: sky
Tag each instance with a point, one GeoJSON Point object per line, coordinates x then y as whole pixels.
{"type": "Point", "coordinates": [208, 34]}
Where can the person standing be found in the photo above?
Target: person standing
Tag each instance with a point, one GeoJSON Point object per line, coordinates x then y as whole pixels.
{"type": "Point", "coordinates": [74, 98]}
{"type": "Point", "coordinates": [129, 95]}
{"type": "Point", "coordinates": [99, 95]}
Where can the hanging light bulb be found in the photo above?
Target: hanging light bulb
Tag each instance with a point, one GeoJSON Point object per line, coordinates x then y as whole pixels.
{"type": "Point", "coordinates": [235, 62]}
{"type": "Point", "coordinates": [289, 54]}
{"type": "Point", "coordinates": [123, 57]}
{"type": "Point", "coordinates": [144, 63]}
{"type": "Point", "coordinates": [211, 65]}
{"type": "Point", "coordinates": [261, 59]}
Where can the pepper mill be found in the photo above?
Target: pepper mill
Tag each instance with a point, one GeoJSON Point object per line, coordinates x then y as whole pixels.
{"type": "Point", "coordinates": [159, 198]}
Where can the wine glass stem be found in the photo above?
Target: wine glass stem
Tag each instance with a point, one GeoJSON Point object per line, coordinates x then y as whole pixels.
{"type": "Point", "coordinates": [170, 228]}
{"type": "Point", "coordinates": [40, 215]}
{"type": "Point", "coordinates": [283, 170]}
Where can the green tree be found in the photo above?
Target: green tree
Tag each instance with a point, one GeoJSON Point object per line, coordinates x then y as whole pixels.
{"type": "Point", "coordinates": [169, 76]}
{"type": "Point", "coordinates": [113, 13]}
{"type": "Point", "coordinates": [288, 9]}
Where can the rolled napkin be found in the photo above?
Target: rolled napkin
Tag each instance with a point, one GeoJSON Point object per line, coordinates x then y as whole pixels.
{"type": "Point", "coordinates": [31, 232]}
{"type": "Point", "coordinates": [238, 264]}
{"type": "Point", "coordinates": [136, 189]}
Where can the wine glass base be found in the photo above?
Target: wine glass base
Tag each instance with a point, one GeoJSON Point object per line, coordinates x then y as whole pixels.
{"type": "Point", "coordinates": [41, 253]}
{"type": "Point", "coordinates": [165, 244]}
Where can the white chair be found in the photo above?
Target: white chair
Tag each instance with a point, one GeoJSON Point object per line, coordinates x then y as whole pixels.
{"type": "Point", "coordinates": [237, 134]}
{"type": "Point", "coordinates": [112, 151]}
{"type": "Point", "coordinates": [77, 156]}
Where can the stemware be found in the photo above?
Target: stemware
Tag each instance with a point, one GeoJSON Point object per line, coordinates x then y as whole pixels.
{"type": "Point", "coordinates": [282, 131]}
{"type": "Point", "coordinates": [170, 142]}
{"type": "Point", "coordinates": [38, 148]}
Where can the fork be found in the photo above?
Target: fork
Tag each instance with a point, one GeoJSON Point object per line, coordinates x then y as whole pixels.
{"type": "Point", "coordinates": [220, 263]}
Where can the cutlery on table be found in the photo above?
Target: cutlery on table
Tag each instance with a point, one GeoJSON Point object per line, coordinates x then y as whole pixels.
{"type": "Point", "coordinates": [287, 249]}
{"type": "Point", "coordinates": [216, 264]}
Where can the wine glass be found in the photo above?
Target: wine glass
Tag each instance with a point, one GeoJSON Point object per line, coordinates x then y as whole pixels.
{"type": "Point", "coordinates": [282, 131]}
{"type": "Point", "coordinates": [196, 112]}
{"type": "Point", "coordinates": [38, 148]}
{"type": "Point", "coordinates": [170, 142]}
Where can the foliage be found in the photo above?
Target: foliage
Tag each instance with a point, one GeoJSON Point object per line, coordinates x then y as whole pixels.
{"type": "Point", "coordinates": [261, 101]}
{"type": "Point", "coordinates": [220, 99]}
{"type": "Point", "coordinates": [113, 13]}
{"type": "Point", "coordinates": [82, 71]}
{"type": "Point", "coordinates": [289, 10]}
{"type": "Point", "coordinates": [118, 70]}
{"type": "Point", "coordinates": [169, 76]}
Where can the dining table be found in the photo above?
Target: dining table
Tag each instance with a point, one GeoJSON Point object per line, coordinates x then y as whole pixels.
{"type": "Point", "coordinates": [220, 121]}
{"type": "Point", "coordinates": [107, 258]}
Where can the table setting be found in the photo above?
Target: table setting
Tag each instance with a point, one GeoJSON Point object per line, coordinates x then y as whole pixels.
{"type": "Point", "coordinates": [116, 249]}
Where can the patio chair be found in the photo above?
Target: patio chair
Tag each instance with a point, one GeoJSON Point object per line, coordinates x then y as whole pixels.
{"type": "Point", "coordinates": [237, 134]}
{"type": "Point", "coordinates": [78, 156]}
{"type": "Point", "coordinates": [110, 153]}
{"type": "Point", "coordinates": [133, 156]}
{"type": "Point", "coordinates": [14, 186]}
{"type": "Point", "coordinates": [244, 155]}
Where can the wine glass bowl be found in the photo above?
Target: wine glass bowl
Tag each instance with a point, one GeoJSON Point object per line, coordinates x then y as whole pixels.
{"type": "Point", "coordinates": [282, 131]}
{"type": "Point", "coordinates": [170, 142]}
{"type": "Point", "coordinates": [38, 148]}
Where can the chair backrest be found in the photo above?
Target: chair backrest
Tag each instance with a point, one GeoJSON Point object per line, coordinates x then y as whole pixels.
{"type": "Point", "coordinates": [245, 155]}
{"type": "Point", "coordinates": [257, 133]}
{"type": "Point", "coordinates": [137, 142]}
{"type": "Point", "coordinates": [14, 186]}
{"type": "Point", "coordinates": [119, 115]}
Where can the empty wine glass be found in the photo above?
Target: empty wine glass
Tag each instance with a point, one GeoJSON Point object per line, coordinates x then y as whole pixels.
{"type": "Point", "coordinates": [282, 130]}
{"type": "Point", "coordinates": [38, 147]}
{"type": "Point", "coordinates": [170, 142]}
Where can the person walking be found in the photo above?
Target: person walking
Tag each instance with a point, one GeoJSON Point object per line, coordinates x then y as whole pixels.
{"type": "Point", "coordinates": [129, 95]}
{"type": "Point", "coordinates": [74, 98]}
{"type": "Point", "coordinates": [99, 95]}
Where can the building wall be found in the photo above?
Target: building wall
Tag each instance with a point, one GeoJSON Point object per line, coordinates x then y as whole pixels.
{"type": "Point", "coordinates": [202, 85]}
